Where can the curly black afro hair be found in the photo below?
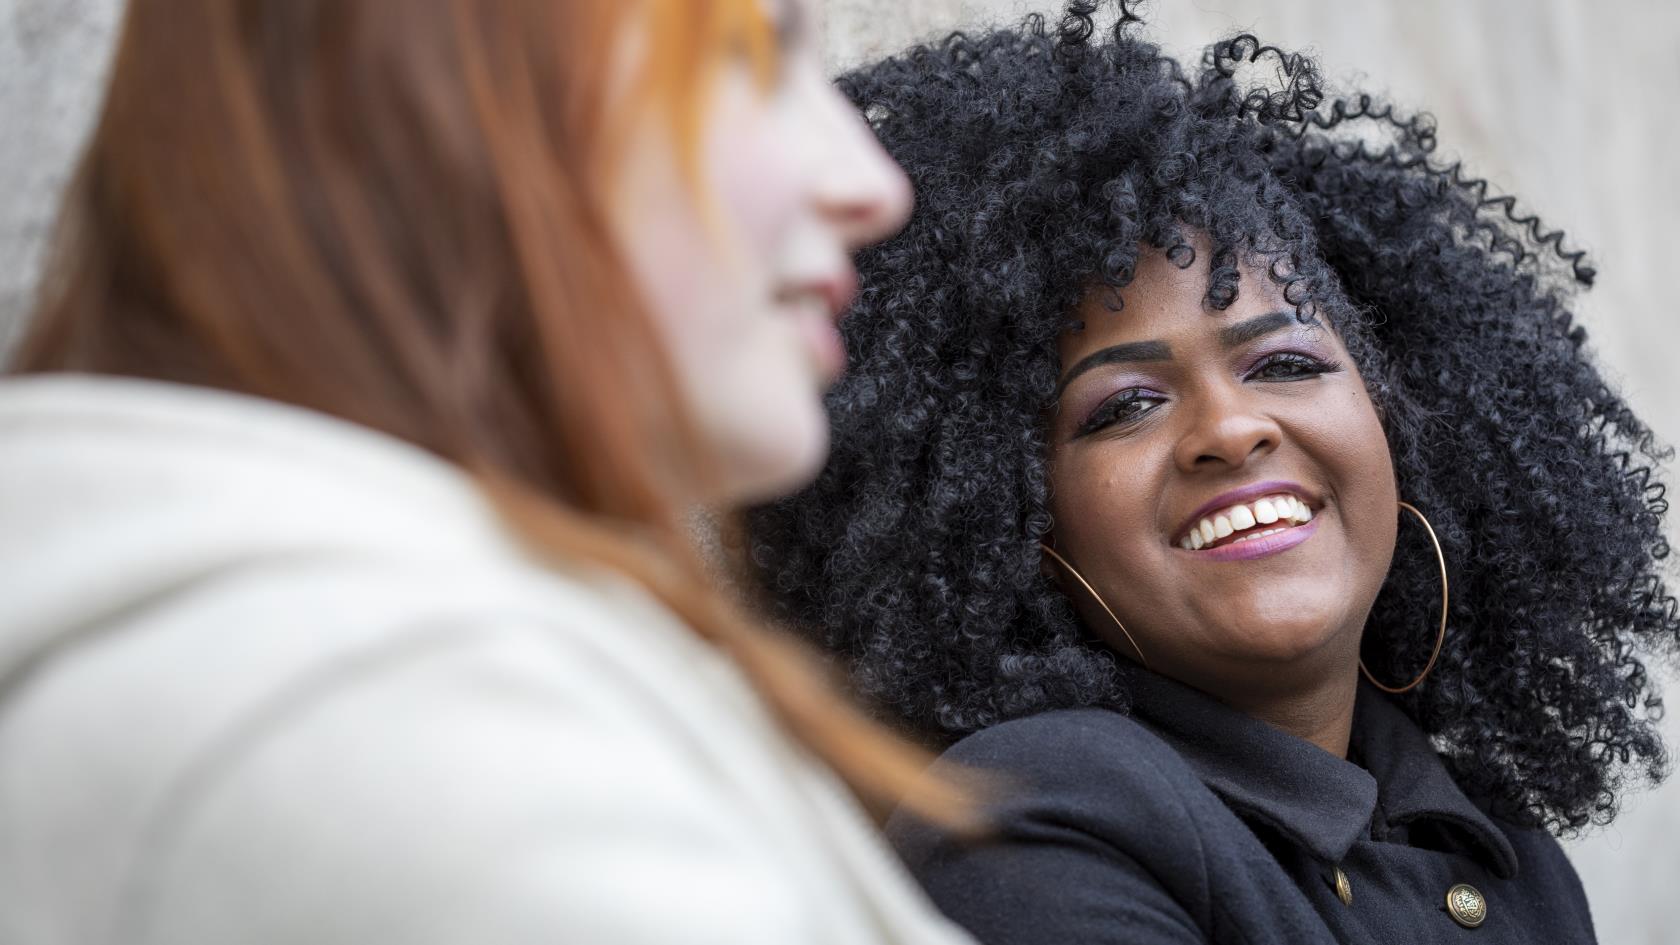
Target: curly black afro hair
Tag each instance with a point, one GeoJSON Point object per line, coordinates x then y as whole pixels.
{"type": "Point", "coordinates": [1043, 157]}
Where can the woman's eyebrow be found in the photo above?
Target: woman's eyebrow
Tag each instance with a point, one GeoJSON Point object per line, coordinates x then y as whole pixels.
{"type": "Point", "coordinates": [1230, 336]}
{"type": "Point", "coordinates": [1116, 354]}
{"type": "Point", "coordinates": [789, 19]}
{"type": "Point", "coordinates": [1242, 333]}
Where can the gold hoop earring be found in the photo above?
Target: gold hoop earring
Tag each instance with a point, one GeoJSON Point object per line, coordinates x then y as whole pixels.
{"type": "Point", "coordinates": [1098, 598]}
{"type": "Point", "coordinates": [1441, 634]}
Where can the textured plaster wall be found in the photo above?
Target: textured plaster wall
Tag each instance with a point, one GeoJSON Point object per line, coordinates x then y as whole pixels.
{"type": "Point", "coordinates": [1566, 104]}
{"type": "Point", "coordinates": [52, 59]}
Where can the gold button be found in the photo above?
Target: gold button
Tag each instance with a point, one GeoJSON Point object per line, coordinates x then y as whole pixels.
{"type": "Point", "coordinates": [1466, 905]}
{"type": "Point", "coordinates": [1344, 889]}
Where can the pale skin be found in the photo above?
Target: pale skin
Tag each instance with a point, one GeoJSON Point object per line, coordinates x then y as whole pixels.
{"type": "Point", "coordinates": [1167, 407]}
{"type": "Point", "coordinates": [746, 281]}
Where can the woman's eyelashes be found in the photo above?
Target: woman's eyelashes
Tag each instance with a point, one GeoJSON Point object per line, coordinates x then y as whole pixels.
{"type": "Point", "coordinates": [1291, 366]}
{"type": "Point", "coordinates": [1124, 408]}
{"type": "Point", "coordinates": [1132, 404]}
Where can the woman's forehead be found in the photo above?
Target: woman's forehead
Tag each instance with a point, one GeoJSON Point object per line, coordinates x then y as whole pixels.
{"type": "Point", "coordinates": [1165, 298]}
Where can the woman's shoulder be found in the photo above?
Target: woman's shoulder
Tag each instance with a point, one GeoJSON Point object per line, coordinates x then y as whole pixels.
{"type": "Point", "coordinates": [428, 748]}
{"type": "Point", "coordinates": [292, 648]}
{"type": "Point", "coordinates": [1547, 871]}
{"type": "Point", "coordinates": [1093, 729]}
{"type": "Point", "coordinates": [1097, 824]}
{"type": "Point", "coordinates": [1095, 770]}
{"type": "Point", "coordinates": [482, 769]}
{"type": "Point", "coordinates": [1084, 754]}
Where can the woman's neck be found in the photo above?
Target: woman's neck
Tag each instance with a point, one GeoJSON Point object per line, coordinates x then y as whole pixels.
{"type": "Point", "coordinates": [1321, 713]}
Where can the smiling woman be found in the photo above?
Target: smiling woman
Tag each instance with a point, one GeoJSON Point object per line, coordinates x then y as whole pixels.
{"type": "Point", "coordinates": [1187, 399]}
{"type": "Point", "coordinates": [1182, 445]}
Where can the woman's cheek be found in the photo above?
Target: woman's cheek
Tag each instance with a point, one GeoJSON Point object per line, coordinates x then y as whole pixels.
{"type": "Point", "coordinates": [1083, 501]}
{"type": "Point", "coordinates": [754, 174]}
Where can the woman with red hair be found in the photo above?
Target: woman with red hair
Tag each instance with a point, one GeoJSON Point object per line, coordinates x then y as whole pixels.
{"type": "Point", "coordinates": [387, 348]}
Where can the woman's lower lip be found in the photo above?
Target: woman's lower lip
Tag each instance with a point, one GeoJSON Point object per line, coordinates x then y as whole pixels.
{"type": "Point", "coordinates": [1259, 547]}
{"type": "Point", "coordinates": [826, 347]}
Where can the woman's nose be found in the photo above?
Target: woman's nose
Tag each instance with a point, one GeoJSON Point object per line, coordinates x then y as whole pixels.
{"type": "Point", "coordinates": [1225, 430]}
{"type": "Point", "coordinates": [860, 190]}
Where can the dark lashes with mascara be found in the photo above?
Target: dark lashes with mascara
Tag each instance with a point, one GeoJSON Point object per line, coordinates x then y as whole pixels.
{"type": "Point", "coordinates": [1107, 413]}
{"type": "Point", "coordinates": [1300, 367]}
{"type": "Point", "coordinates": [1304, 366]}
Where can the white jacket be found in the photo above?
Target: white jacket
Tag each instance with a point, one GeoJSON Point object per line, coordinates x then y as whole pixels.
{"type": "Point", "coordinates": [269, 677]}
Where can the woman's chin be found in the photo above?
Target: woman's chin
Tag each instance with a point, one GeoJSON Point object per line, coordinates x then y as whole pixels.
{"type": "Point", "coordinates": [1275, 645]}
{"type": "Point", "coordinates": [769, 463]}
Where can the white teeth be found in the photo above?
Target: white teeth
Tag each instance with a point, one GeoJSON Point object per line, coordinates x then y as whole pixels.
{"type": "Point", "coordinates": [1269, 531]}
{"type": "Point", "coordinates": [1285, 509]}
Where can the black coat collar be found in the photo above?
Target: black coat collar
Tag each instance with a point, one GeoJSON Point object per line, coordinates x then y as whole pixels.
{"type": "Point", "coordinates": [1324, 803]}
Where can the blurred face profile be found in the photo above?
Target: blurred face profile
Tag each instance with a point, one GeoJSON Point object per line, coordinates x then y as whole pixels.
{"type": "Point", "coordinates": [744, 258]}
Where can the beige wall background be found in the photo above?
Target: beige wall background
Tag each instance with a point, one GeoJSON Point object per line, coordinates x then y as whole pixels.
{"type": "Point", "coordinates": [1566, 104]}
{"type": "Point", "coordinates": [52, 57]}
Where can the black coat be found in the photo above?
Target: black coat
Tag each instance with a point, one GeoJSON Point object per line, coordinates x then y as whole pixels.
{"type": "Point", "coordinates": [1190, 822]}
